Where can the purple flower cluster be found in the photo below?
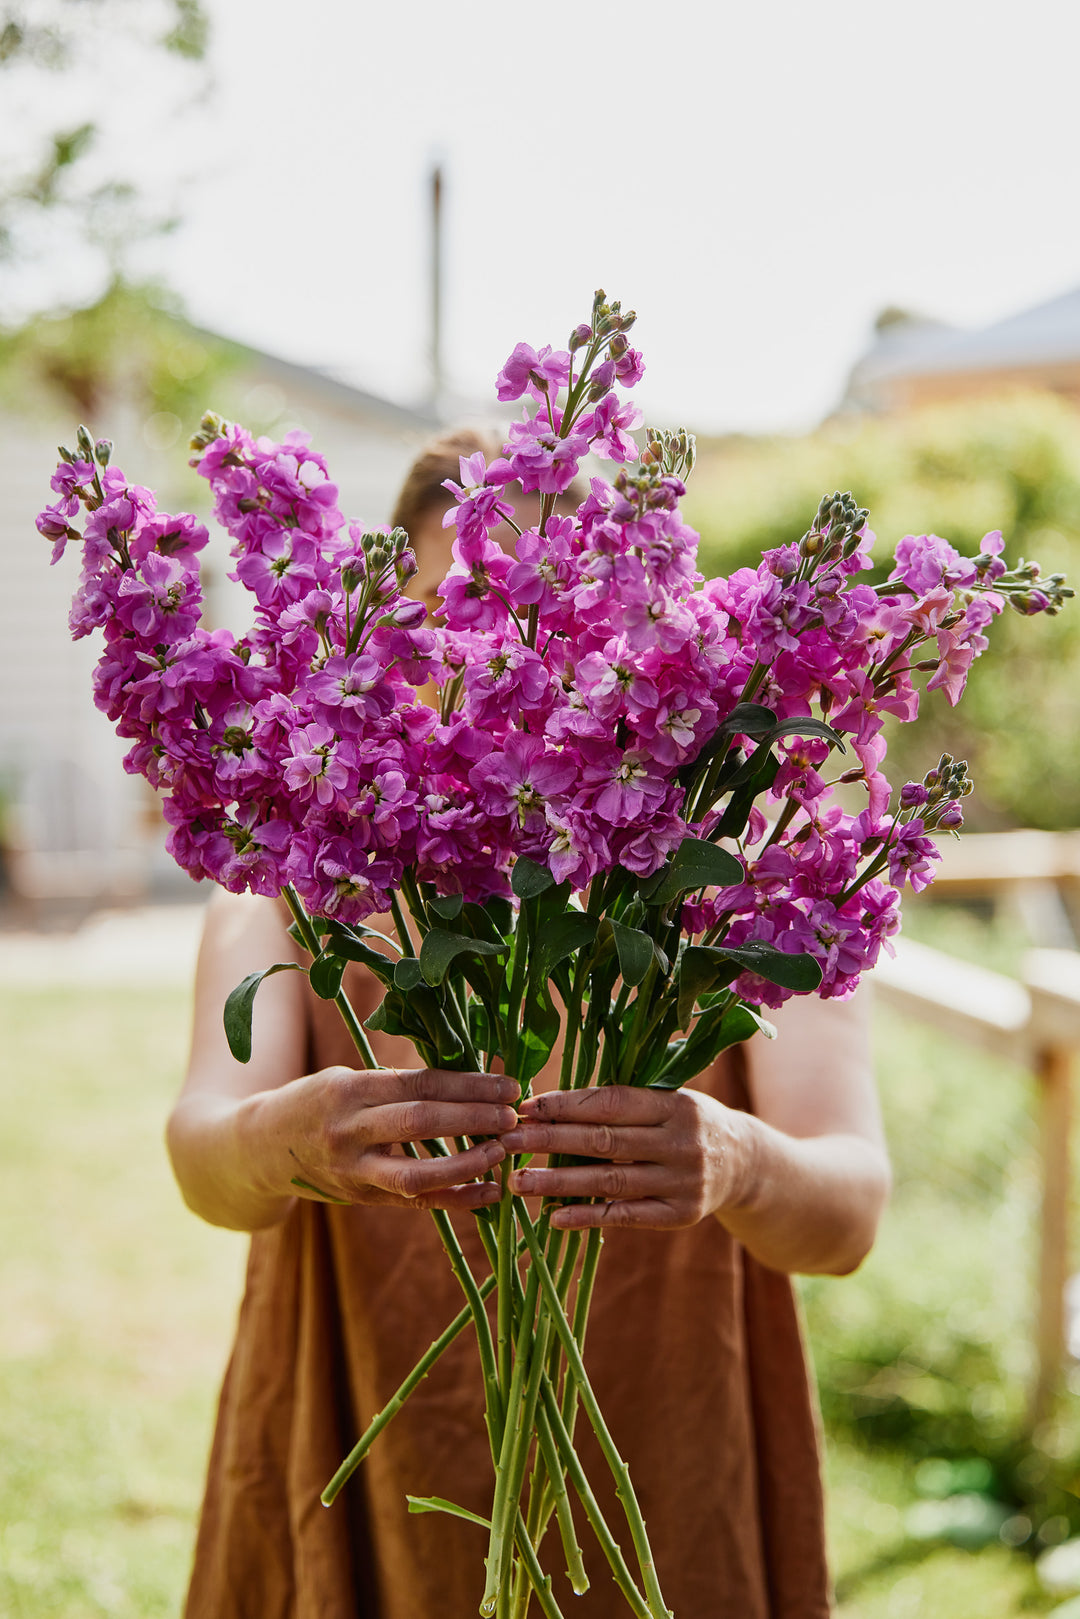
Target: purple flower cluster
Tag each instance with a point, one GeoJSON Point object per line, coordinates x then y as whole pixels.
{"type": "Point", "coordinates": [579, 687]}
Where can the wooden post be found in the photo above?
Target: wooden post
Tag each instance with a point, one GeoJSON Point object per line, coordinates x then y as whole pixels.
{"type": "Point", "coordinates": [1053, 1070]}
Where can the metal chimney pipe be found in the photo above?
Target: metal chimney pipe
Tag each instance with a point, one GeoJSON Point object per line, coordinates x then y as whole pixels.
{"type": "Point", "coordinates": [436, 290]}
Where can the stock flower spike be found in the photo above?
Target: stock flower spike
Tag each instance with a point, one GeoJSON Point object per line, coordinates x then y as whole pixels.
{"type": "Point", "coordinates": [628, 775]}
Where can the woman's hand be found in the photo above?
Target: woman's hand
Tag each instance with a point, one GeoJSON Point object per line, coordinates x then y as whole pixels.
{"type": "Point", "coordinates": [669, 1158]}
{"type": "Point", "coordinates": [236, 1157]}
{"type": "Point", "coordinates": [806, 1202]}
{"type": "Point", "coordinates": [335, 1130]}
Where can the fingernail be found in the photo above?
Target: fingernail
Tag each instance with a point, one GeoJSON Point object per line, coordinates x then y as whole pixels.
{"type": "Point", "coordinates": [489, 1192]}
{"type": "Point", "coordinates": [513, 1140]}
{"type": "Point", "coordinates": [495, 1149]}
{"type": "Point", "coordinates": [529, 1106]}
{"type": "Point", "coordinates": [509, 1090]}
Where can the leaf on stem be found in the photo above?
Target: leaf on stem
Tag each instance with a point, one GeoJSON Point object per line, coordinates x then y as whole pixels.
{"type": "Point", "coordinates": [341, 941]}
{"type": "Point", "coordinates": [635, 950]}
{"type": "Point", "coordinates": [695, 864]}
{"type": "Point", "coordinates": [733, 821]}
{"type": "Point", "coordinates": [529, 879]}
{"type": "Point", "coordinates": [713, 1033]}
{"type": "Point", "coordinates": [700, 971]}
{"type": "Point", "coordinates": [447, 906]}
{"type": "Point", "coordinates": [435, 1503]}
{"type": "Point", "coordinates": [407, 974]}
{"type": "Point", "coordinates": [238, 1008]}
{"type": "Point", "coordinates": [561, 938]}
{"type": "Point", "coordinates": [440, 948]}
{"type": "Point", "coordinates": [326, 973]}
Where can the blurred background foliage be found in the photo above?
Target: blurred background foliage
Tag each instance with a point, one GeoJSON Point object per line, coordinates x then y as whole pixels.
{"type": "Point", "coordinates": [957, 470]}
{"type": "Point", "coordinates": [132, 344]}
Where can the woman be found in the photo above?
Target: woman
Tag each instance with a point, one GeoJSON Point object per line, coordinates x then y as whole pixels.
{"type": "Point", "coordinates": [772, 1163]}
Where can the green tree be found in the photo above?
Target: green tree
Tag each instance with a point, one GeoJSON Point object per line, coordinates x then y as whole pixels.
{"type": "Point", "coordinates": [45, 48]}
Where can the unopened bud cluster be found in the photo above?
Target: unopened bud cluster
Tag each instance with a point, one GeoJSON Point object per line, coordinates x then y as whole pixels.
{"type": "Point", "coordinates": [673, 450]}
{"type": "Point", "coordinates": [1027, 592]}
{"type": "Point", "coordinates": [836, 529]}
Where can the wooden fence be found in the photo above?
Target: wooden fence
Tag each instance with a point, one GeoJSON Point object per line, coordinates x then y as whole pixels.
{"type": "Point", "coordinates": [1034, 1021]}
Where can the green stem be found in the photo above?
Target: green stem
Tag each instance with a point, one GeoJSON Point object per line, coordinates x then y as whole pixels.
{"type": "Point", "coordinates": [401, 924]}
{"type": "Point", "coordinates": [539, 1581]}
{"type": "Point", "coordinates": [506, 1263]}
{"type": "Point", "coordinates": [505, 1502]}
{"type": "Point", "coordinates": [657, 1607]}
{"type": "Point", "coordinates": [341, 1000]}
{"type": "Point", "coordinates": [460, 1266]}
{"type": "Point", "coordinates": [397, 1399]}
{"type": "Point", "coordinates": [549, 1421]}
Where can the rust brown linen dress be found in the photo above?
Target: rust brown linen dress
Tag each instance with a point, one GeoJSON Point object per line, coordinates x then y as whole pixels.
{"type": "Point", "coordinates": [695, 1353]}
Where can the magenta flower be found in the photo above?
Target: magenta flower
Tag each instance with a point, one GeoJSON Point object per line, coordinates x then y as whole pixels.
{"type": "Point", "coordinates": [526, 371]}
{"type": "Point", "coordinates": [518, 779]}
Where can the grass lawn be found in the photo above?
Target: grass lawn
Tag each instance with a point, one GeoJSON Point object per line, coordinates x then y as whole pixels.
{"type": "Point", "coordinates": [118, 1308]}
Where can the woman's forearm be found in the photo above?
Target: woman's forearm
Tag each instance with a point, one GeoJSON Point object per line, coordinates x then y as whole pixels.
{"type": "Point", "coordinates": [808, 1204]}
{"type": "Point", "coordinates": [213, 1142]}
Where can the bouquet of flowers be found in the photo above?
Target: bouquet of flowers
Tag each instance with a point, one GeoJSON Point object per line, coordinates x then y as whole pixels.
{"type": "Point", "coordinates": [603, 801]}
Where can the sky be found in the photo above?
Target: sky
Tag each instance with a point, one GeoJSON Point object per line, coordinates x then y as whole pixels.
{"type": "Point", "coordinates": [757, 181]}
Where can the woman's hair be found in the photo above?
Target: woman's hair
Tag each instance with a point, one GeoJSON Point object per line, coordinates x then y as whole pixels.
{"type": "Point", "coordinates": [423, 491]}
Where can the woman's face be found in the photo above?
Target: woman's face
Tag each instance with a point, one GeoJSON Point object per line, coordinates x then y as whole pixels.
{"type": "Point", "coordinates": [431, 545]}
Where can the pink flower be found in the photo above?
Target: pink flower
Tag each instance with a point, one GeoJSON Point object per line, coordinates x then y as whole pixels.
{"type": "Point", "coordinates": [527, 371]}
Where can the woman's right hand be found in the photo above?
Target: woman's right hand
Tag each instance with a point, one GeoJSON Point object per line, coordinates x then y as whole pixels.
{"type": "Point", "coordinates": [241, 1133]}
{"type": "Point", "coordinates": [336, 1130]}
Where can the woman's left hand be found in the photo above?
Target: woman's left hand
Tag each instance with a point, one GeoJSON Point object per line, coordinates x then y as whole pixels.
{"type": "Point", "coordinates": [669, 1158]}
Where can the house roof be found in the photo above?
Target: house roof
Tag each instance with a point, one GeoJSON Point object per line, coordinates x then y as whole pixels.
{"type": "Point", "coordinates": [334, 390]}
{"type": "Point", "coordinates": [1047, 334]}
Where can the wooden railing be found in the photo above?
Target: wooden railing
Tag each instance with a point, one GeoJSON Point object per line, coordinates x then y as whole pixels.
{"type": "Point", "coordinates": [1033, 1021]}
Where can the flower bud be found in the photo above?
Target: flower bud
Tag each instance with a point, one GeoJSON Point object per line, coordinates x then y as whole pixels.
{"type": "Point", "coordinates": [85, 443]}
{"type": "Point", "coordinates": [406, 615]}
{"type": "Point", "coordinates": [579, 337]}
{"type": "Point", "coordinates": [66, 455]}
{"type": "Point", "coordinates": [103, 450]}
{"type": "Point", "coordinates": [351, 579]}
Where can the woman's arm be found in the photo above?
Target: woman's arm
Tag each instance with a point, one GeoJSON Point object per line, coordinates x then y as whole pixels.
{"type": "Point", "coordinates": [239, 1133]}
{"type": "Point", "coordinates": [801, 1181]}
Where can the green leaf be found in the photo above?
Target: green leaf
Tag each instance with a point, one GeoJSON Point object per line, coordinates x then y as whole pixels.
{"type": "Point", "coordinates": [239, 1006]}
{"type": "Point", "coordinates": [306, 1186]}
{"type": "Point", "coordinates": [501, 913]}
{"type": "Point", "coordinates": [754, 767]}
{"type": "Point", "coordinates": [407, 974]}
{"type": "Point", "coordinates": [440, 948]}
{"type": "Point", "coordinates": [342, 942]}
{"type": "Point", "coordinates": [699, 972]}
{"type": "Point", "coordinates": [446, 905]}
{"type": "Point", "coordinates": [542, 1024]}
{"type": "Point", "coordinates": [712, 1034]}
{"type": "Point", "coordinates": [435, 1503]}
{"type": "Point", "coordinates": [636, 952]}
{"type": "Point", "coordinates": [561, 937]}
{"type": "Point", "coordinates": [747, 719]}
{"type": "Point", "coordinates": [695, 864]}
{"type": "Point", "coordinates": [529, 879]}
{"type": "Point", "coordinates": [326, 973]}
{"type": "Point", "coordinates": [807, 727]}
{"type": "Point", "coordinates": [483, 921]}
{"type": "Point", "coordinates": [801, 972]}
{"type": "Point", "coordinates": [737, 812]}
